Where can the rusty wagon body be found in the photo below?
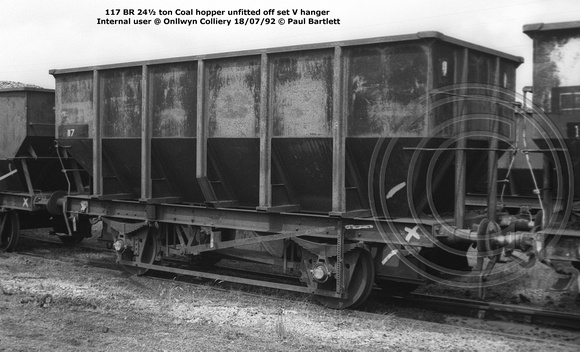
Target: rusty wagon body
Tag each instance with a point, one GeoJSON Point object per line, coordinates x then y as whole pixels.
{"type": "Point", "coordinates": [335, 166]}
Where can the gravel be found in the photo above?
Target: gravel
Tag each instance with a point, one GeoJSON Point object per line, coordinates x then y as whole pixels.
{"type": "Point", "coordinates": [71, 305]}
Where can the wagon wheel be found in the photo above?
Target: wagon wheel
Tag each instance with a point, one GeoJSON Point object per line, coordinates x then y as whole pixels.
{"type": "Point", "coordinates": [141, 248]}
{"type": "Point", "coordinates": [9, 231]}
{"type": "Point", "coordinates": [358, 265]}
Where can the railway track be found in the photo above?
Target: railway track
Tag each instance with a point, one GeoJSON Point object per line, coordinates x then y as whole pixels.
{"type": "Point", "coordinates": [477, 309]}
{"type": "Point", "coordinates": [446, 305]}
{"type": "Point", "coordinates": [492, 311]}
{"type": "Point", "coordinates": [529, 317]}
{"type": "Point", "coordinates": [89, 243]}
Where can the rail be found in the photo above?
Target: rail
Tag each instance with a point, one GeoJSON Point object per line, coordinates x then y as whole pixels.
{"type": "Point", "coordinates": [489, 310]}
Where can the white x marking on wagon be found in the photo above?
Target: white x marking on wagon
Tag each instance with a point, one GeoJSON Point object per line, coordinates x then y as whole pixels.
{"type": "Point", "coordinates": [25, 202]}
{"type": "Point", "coordinates": [412, 233]}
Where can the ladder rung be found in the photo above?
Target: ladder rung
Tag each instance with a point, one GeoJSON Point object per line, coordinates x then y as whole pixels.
{"type": "Point", "coordinates": [67, 170]}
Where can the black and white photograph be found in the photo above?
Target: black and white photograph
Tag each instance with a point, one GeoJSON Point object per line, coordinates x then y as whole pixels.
{"type": "Point", "coordinates": [317, 175]}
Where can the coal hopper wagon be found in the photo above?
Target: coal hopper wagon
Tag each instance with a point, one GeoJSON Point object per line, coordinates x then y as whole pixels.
{"type": "Point", "coordinates": [32, 181]}
{"type": "Point", "coordinates": [336, 165]}
{"type": "Point", "coordinates": [555, 108]}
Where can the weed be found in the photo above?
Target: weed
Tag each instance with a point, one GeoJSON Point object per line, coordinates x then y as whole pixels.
{"type": "Point", "coordinates": [281, 329]}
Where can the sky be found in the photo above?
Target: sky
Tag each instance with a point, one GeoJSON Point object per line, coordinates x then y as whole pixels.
{"type": "Point", "coordinates": [39, 35]}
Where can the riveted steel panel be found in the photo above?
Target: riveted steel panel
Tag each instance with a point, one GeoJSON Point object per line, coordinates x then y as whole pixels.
{"type": "Point", "coordinates": [449, 71]}
{"type": "Point", "coordinates": [74, 103]}
{"type": "Point", "coordinates": [13, 122]}
{"type": "Point", "coordinates": [486, 71]}
{"type": "Point", "coordinates": [173, 166]}
{"type": "Point", "coordinates": [173, 99]}
{"type": "Point", "coordinates": [383, 83]}
{"type": "Point", "coordinates": [233, 97]}
{"type": "Point", "coordinates": [24, 114]}
{"type": "Point", "coordinates": [120, 116]}
{"type": "Point", "coordinates": [232, 112]}
{"type": "Point", "coordinates": [40, 111]}
{"type": "Point", "coordinates": [235, 162]}
{"type": "Point", "coordinates": [121, 102]}
{"type": "Point", "coordinates": [75, 115]}
{"type": "Point", "coordinates": [122, 166]}
{"type": "Point", "coordinates": [307, 164]}
{"type": "Point", "coordinates": [173, 104]}
{"type": "Point", "coordinates": [301, 99]}
{"type": "Point", "coordinates": [302, 94]}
